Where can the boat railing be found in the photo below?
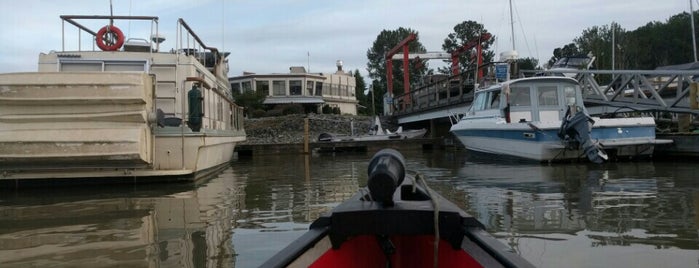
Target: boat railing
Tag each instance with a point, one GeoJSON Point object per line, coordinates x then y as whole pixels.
{"type": "Point", "coordinates": [73, 19]}
{"type": "Point", "coordinates": [633, 90]}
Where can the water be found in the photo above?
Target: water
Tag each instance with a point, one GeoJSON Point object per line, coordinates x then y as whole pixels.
{"type": "Point", "coordinates": [565, 215]}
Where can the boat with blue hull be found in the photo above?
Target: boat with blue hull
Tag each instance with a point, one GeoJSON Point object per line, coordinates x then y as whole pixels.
{"type": "Point", "coordinates": [544, 119]}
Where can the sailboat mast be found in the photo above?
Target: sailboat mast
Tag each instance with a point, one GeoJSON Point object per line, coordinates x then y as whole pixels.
{"type": "Point", "coordinates": [694, 39]}
{"type": "Point", "coordinates": [512, 27]}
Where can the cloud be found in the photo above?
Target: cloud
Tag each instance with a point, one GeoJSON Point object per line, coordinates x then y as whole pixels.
{"type": "Point", "coordinates": [270, 36]}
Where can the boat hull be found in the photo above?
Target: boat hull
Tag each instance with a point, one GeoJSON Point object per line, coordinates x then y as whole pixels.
{"type": "Point", "coordinates": [538, 141]}
{"type": "Point", "coordinates": [89, 125]}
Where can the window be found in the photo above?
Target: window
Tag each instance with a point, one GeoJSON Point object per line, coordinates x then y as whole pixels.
{"type": "Point", "coordinates": [81, 66]}
{"type": "Point", "coordinates": [548, 96]}
{"type": "Point", "coordinates": [309, 88]}
{"type": "Point", "coordinates": [319, 88]}
{"type": "Point", "coordinates": [334, 90]}
{"type": "Point", "coordinates": [478, 102]}
{"type": "Point", "coordinates": [295, 87]}
{"type": "Point", "coordinates": [279, 88]}
{"type": "Point", "coordinates": [571, 99]}
{"type": "Point", "coordinates": [124, 66]}
{"type": "Point", "coordinates": [247, 86]}
{"type": "Point", "coordinates": [262, 87]}
{"type": "Point", "coordinates": [520, 96]}
{"type": "Point", "coordinates": [235, 87]}
{"type": "Point", "coordinates": [494, 100]}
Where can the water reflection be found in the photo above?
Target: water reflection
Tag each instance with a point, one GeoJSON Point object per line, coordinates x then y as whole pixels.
{"type": "Point", "coordinates": [541, 209]}
{"type": "Point", "coordinates": [564, 215]}
{"type": "Point", "coordinates": [127, 226]}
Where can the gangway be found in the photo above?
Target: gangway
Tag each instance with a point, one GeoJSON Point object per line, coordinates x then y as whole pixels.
{"type": "Point", "coordinates": [651, 91]}
{"type": "Point", "coordinates": [635, 90]}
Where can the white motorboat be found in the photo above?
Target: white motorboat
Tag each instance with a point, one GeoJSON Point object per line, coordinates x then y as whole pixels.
{"type": "Point", "coordinates": [544, 119]}
{"type": "Point", "coordinates": [129, 112]}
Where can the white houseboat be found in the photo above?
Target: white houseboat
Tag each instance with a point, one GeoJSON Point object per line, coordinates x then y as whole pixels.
{"type": "Point", "coordinates": [123, 109]}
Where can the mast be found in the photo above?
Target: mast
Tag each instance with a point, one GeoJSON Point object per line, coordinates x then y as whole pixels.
{"type": "Point", "coordinates": [694, 38]}
{"type": "Point", "coordinates": [512, 28]}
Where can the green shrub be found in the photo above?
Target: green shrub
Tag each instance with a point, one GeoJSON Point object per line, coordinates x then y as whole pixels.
{"type": "Point", "coordinates": [336, 110]}
{"type": "Point", "coordinates": [292, 109]}
{"type": "Point", "coordinates": [327, 109]}
{"type": "Point", "coordinates": [275, 112]}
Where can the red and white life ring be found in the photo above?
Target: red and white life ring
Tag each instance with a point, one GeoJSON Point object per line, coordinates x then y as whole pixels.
{"type": "Point", "coordinates": [110, 38]}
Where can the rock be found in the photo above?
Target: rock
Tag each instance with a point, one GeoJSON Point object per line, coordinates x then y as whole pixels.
{"type": "Point", "coordinates": [289, 128]}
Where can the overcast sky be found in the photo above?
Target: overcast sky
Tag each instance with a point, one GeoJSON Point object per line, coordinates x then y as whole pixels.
{"type": "Point", "coordinates": [271, 36]}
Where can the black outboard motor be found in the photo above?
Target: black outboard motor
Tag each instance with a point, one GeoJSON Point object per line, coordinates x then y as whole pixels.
{"type": "Point", "coordinates": [576, 130]}
{"type": "Point", "coordinates": [386, 173]}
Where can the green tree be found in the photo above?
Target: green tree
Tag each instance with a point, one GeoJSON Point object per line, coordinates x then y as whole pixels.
{"type": "Point", "coordinates": [359, 92]}
{"type": "Point", "coordinates": [527, 64]}
{"type": "Point", "coordinates": [250, 100]}
{"type": "Point", "coordinates": [376, 65]}
{"type": "Point", "coordinates": [463, 33]}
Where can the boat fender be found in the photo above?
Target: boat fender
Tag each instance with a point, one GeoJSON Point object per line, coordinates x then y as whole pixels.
{"type": "Point", "coordinates": [195, 108]}
{"type": "Point", "coordinates": [110, 38]}
{"type": "Point", "coordinates": [386, 172]}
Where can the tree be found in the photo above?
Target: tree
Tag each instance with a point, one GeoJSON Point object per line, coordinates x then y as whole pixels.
{"type": "Point", "coordinates": [527, 64]}
{"type": "Point", "coordinates": [359, 91]}
{"type": "Point", "coordinates": [250, 100]}
{"type": "Point", "coordinates": [376, 66]}
{"type": "Point", "coordinates": [463, 33]}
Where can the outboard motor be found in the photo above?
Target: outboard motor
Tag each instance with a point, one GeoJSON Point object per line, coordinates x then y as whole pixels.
{"type": "Point", "coordinates": [576, 131]}
{"type": "Point", "coordinates": [386, 173]}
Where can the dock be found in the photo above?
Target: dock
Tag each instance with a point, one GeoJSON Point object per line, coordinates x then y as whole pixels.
{"type": "Point", "coordinates": [341, 146]}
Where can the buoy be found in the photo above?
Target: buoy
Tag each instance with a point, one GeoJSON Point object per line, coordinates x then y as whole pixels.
{"type": "Point", "coordinates": [110, 38]}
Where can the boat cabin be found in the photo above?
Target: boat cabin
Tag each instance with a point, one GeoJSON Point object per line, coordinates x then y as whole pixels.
{"type": "Point", "coordinates": [542, 99]}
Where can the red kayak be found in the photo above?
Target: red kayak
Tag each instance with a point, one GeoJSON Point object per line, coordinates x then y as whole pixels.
{"type": "Point", "coordinates": [397, 221]}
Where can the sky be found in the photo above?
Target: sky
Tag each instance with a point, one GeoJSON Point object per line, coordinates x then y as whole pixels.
{"type": "Point", "coordinates": [266, 36]}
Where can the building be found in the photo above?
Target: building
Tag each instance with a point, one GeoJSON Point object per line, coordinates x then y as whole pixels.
{"type": "Point", "coordinates": [312, 90]}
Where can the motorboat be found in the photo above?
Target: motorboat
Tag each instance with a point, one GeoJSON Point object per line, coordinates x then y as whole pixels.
{"type": "Point", "coordinates": [122, 109]}
{"type": "Point", "coordinates": [396, 221]}
{"type": "Point", "coordinates": [543, 118]}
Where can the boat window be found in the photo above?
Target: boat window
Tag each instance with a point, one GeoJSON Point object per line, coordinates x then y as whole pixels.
{"type": "Point", "coordinates": [548, 96]}
{"type": "Point", "coordinates": [494, 100]}
{"type": "Point", "coordinates": [520, 96]}
{"type": "Point", "coordinates": [81, 66]}
{"type": "Point", "coordinates": [295, 87]}
{"type": "Point", "coordinates": [479, 102]}
{"type": "Point", "coordinates": [125, 66]}
{"type": "Point", "coordinates": [570, 95]}
{"type": "Point", "coordinates": [279, 88]}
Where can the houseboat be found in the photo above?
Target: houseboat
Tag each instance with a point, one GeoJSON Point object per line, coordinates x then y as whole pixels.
{"type": "Point", "coordinates": [122, 109]}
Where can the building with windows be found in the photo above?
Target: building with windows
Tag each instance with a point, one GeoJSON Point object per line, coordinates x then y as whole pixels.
{"type": "Point", "coordinates": [312, 90]}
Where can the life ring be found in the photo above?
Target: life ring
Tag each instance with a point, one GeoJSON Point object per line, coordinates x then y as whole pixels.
{"type": "Point", "coordinates": [110, 38]}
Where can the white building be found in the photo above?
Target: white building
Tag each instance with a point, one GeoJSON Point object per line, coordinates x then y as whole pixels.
{"type": "Point", "coordinates": [312, 90]}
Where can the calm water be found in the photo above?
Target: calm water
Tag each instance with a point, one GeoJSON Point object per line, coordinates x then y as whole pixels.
{"type": "Point", "coordinates": [564, 215]}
